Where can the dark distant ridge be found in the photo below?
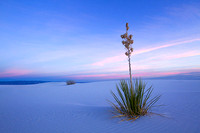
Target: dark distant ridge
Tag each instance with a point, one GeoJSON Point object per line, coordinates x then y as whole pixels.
{"type": "Point", "coordinates": [21, 82]}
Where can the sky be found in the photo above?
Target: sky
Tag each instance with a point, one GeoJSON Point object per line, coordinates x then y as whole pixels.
{"type": "Point", "coordinates": [65, 39]}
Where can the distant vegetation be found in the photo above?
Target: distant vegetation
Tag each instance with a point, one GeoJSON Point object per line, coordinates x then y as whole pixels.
{"type": "Point", "coordinates": [70, 82]}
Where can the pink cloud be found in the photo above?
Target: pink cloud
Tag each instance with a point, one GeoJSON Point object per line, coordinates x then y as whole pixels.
{"type": "Point", "coordinates": [109, 60]}
{"type": "Point", "coordinates": [182, 55]}
{"type": "Point", "coordinates": [165, 73]}
{"type": "Point", "coordinates": [121, 76]}
{"type": "Point", "coordinates": [155, 74]}
{"type": "Point", "coordinates": [14, 72]}
{"type": "Point", "coordinates": [140, 74]}
{"type": "Point", "coordinates": [162, 57]}
{"type": "Point", "coordinates": [101, 76]}
{"type": "Point", "coordinates": [166, 45]}
{"type": "Point", "coordinates": [121, 57]}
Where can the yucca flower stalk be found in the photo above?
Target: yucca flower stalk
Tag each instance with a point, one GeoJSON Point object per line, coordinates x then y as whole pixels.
{"type": "Point", "coordinates": [127, 42]}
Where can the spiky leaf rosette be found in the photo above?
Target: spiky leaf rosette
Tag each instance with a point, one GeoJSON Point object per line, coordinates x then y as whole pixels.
{"type": "Point", "coordinates": [131, 103]}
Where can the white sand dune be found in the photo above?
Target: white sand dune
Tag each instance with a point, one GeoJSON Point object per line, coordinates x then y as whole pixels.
{"type": "Point", "coordinates": [82, 108]}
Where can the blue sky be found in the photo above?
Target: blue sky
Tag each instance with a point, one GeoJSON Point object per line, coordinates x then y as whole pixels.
{"type": "Point", "coordinates": [81, 39]}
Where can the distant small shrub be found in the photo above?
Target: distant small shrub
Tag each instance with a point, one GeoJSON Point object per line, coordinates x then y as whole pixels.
{"type": "Point", "coordinates": [70, 82]}
{"type": "Point", "coordinates": [133, 102]}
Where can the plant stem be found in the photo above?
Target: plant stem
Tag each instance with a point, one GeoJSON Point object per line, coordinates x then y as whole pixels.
{"type": "Point", "coordinates": [129, 60]}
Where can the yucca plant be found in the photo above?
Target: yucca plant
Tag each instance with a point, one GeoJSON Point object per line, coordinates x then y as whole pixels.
{"type": "Point", "coordinates": [133, 101]}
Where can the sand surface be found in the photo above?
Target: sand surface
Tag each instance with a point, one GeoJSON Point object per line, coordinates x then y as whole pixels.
{"type": "Point", "coordinates": [82, 108]}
